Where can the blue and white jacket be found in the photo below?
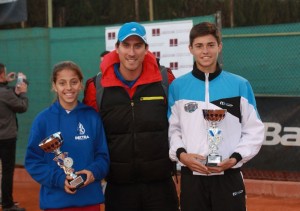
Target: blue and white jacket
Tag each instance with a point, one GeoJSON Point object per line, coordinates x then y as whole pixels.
{"type": "Point", "coordinates": [242, 130]}
{"type": "Point", "coordinates": [85, 142]}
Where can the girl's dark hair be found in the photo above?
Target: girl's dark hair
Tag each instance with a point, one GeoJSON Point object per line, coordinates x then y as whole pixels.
{"type": "Point", "coordinates": [204, 28]}
{"type": "Point", "coordinates": [66, 65]}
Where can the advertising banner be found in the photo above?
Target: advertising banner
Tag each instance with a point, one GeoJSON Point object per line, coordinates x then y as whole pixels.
{"type": "Point", "coordinates": [281, 147]}
{"type": "Point", "coordinates": [167, 40]}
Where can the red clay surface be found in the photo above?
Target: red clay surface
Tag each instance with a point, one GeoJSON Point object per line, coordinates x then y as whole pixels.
{"type": "Point", "coordinates": [26, 192]}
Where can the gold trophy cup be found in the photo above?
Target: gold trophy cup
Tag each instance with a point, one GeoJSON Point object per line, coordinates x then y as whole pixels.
{"type": "Point", "coordinates": [52, 144]}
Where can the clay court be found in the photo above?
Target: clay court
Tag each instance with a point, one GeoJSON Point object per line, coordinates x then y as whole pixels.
{"type": "Point", "coordinates": [262, 195]}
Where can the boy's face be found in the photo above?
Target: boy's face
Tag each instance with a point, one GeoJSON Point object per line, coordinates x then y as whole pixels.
{"type": "Point", "coordinates": [205, 50]}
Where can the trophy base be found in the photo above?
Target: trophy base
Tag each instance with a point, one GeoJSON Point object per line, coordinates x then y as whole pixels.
{"type": "Point", "coordinates": [77, 182]}
{"type": "Point", "coordinates": [213, 160]}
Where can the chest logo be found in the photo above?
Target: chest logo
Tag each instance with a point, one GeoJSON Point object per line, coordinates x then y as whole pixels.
{"type": "Point", "coordinates": [81, 132]}
{"type": "Point", "coordinates": [190, 107]}
{"type": "Point", "coordinates": [80, 129]}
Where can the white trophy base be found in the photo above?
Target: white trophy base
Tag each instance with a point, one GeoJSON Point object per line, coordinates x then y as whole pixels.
{"type": "Point", "coordinates": [77, 182]}
{"type": "Point", "coordinates": [213, 160]}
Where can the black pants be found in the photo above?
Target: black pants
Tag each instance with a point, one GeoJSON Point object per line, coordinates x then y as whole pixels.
{"type": "Point", "coordinates": [8, 158]}
{"type": "Point", "coordinates": [212, 193]}
{"type": "Point", "coordinates": [154, 196]}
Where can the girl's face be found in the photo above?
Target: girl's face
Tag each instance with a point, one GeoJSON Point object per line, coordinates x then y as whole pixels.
{"type": "Point", "coordinates": [67, 87]}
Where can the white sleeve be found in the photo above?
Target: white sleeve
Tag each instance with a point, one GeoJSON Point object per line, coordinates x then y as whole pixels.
{"type": "Point", "coordinates": [175, 132]}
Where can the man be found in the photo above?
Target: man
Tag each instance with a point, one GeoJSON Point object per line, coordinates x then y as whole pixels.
{"type": "Point", "coordinates": [102, 55]}
{"type": "Point", "coordinates": [89, 92]}
{"type": "Point", "coordinates": [12, 100]}
{"type": "Point", "coordinates": [134, 113]}
{"type": "Point", "coordinates": [207, 86]}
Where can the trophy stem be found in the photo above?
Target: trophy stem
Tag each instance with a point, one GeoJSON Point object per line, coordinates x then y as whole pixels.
{"type": "Point", "coordinates": [57, 152]}
{"type": "Point", "coordinates": [213, 124]}
{"type": "Point", "coordinates": [73, 175]}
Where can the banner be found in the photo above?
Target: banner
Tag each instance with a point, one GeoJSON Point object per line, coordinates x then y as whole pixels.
{"type": "Point", "coordinates": [168, 41]}
{"type": "Point", "coordinates": [281, 147]}
{"type": "Point", "coordinates": [13, 11]}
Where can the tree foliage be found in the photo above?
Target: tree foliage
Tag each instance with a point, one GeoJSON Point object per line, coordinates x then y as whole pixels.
{"type": "Point", "coordinates": [106, 12]}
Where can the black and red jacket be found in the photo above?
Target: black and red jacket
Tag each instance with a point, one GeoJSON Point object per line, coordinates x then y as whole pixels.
{"type": "Point", "coordinates": [136, 124]}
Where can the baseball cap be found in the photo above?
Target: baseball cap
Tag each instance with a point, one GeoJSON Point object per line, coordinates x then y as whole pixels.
{"type": "Point", "coordinates": [132, 28]}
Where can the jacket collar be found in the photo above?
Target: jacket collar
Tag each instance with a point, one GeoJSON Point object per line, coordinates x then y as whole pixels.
{"type": "Point", "coordinates": [201, 75]}
{"type": "Point", "coordinates": [150, 73]}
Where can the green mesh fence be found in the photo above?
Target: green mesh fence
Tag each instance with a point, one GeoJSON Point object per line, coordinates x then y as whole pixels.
{"type": "Point", "coordinates": [268, 56]}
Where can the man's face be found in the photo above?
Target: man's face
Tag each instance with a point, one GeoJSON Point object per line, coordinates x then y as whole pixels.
{"type": "Point", "coordinates": [3, 74]}
{"type": "Point", "coordinates": [205, 50]}
{"type": "Point", "coordinates": [131, 52]}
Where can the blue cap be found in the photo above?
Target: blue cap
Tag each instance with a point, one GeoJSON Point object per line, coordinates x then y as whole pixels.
{"type": "Point", "coordinates": [132, 28]}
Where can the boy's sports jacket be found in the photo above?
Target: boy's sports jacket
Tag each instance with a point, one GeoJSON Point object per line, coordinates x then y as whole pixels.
{"type": "Point", "coordinates": [241, 129]}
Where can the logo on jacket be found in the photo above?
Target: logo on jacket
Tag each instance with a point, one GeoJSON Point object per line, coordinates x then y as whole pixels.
{"type": "Point", "coordinates": [81, 131]}
{"type": "Point", "coordinates": [225, 104]}
{"type": "Point", "coordinates": [191, 107]}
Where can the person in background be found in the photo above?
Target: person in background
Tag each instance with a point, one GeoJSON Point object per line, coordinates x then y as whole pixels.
{"type": "Point", "coordinates": [102, 55]}
{"type": "Point", "coordinates": [83, 139]}
{"type": "Point", "coordinates": [208, 86]}
{"type": "Point", "coordinates": [13, 100]}
{"type": "Point", "coordinates": [90, 85]}
{"type": "Point", "coordinates": [134, 113]}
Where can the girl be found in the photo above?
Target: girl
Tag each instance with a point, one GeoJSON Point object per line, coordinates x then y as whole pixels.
{"type": "Point", "coordinates": [83, 140]}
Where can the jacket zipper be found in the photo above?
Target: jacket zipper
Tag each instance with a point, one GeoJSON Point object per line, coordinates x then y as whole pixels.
{"type": "Point", "coordinates": [133, 134]}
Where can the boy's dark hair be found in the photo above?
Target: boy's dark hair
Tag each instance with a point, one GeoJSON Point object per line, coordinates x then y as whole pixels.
{"type": "Point", "coordinates": [204, 28]}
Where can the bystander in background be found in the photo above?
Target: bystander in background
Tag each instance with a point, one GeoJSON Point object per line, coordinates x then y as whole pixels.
{"type": "Point", "coordinates": [13, 100]}
{"type": "Point", "coordinates": [92, 90]}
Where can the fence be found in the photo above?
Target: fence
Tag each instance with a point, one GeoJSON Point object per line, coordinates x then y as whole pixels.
{"type": "Point", "coordinates": [268, 56]}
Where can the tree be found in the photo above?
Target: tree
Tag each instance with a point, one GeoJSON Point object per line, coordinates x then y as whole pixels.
{"type": "Point", "coordinates": [106, 12]}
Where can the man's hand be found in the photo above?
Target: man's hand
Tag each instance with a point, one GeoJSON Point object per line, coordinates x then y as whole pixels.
{"type": "Point", "coordinates": [11, 77]}
{"type": "Point", "coordinates": [21, 88]}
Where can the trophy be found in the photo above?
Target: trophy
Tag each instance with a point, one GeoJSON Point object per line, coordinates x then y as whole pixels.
{"type": "Point", "coordinates": [213, 116]}
{"type": "Point", "coordinates": [53, 144]}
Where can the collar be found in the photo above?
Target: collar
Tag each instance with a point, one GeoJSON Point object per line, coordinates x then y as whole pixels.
{"type": "Point", "coordinates": [121, 78]}
{"type": "Point", "coordinates": [150, 73]}
{"type": "Point", "coordinates": [201, 75]}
